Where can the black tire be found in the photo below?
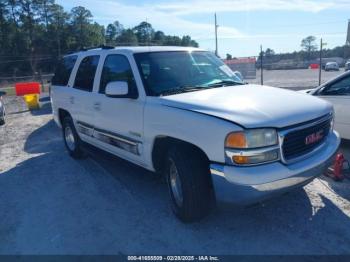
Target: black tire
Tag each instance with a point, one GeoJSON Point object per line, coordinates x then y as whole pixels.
{"type": "Point", "coordinates": [195, 183]}
{"type": "Point", "coordinates": [75, 151]}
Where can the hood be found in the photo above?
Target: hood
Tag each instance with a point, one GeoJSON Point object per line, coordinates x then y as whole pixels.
{"type": "Point", "coordinates": [252, 105]}
{"type": "Point", "coordinates": [306, 91]}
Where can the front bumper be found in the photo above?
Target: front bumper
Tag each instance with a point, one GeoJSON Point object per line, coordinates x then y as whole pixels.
{"type": "Point", "coordinates": [246, 185]}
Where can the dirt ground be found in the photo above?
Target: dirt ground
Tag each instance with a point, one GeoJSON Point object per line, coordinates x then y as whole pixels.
{"type": "Point", "coordinates": [294, 79]}
{"type": "Point", "coordinates": [52, 204]}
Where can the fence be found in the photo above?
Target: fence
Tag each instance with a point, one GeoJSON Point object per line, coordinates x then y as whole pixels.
{"type": "Point", "coordinates": [285, 73]}
{"type": "Point", "coordinates": [11, 81]}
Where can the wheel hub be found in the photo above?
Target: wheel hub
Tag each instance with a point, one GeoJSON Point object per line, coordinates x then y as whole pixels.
{"type": "Point", "coordinates": [175, 184]}
{"type": "Point", "coordinates": [69, 137]}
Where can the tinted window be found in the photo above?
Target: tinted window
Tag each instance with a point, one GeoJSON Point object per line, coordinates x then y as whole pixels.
{"type": "Point", "coordinates": [116, 68]}
{"type": "Point", "coordinates": [341, 87]}
{"type": "Point", "coordinates": [63, 70]}
{"type": "Point", "coordinates": [86, 73]}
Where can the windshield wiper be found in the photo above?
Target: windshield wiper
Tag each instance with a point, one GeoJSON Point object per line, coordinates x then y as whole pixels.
{"type": "Point", "coordinates": [224, 83]}
{"type": "Point", "coordinates": [181, 89]}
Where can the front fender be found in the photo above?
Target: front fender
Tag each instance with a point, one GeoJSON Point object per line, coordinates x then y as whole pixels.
{"type": "Point", "coordinates": [204, 131]}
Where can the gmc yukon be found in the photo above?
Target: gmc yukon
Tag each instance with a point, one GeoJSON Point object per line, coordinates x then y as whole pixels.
{"type": "Point", "coordinates": [183, 113]}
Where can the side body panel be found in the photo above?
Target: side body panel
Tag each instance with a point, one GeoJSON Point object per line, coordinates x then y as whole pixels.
{"type": "Point", "coordinates": [342, 114]}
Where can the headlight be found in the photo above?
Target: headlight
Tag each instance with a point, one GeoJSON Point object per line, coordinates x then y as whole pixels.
{"type": "Point", "coordinates": [251, 147]}
{"type": "Point", "coordinates": [253, 138]}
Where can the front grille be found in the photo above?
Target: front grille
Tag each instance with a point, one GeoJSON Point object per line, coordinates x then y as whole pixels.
{"type": "Point", "coordinates": [296, 142]}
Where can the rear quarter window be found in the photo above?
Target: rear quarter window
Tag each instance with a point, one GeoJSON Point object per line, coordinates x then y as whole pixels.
{"type": "Point", "coordinates": [63, 70]}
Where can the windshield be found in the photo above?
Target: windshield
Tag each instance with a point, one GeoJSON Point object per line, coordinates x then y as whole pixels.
{"type": "Point", "coordinates": [166, 73]}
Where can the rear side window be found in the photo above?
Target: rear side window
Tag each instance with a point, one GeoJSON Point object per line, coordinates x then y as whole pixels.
{"type": "Point", "coordinates": [117, 68]}
{"type": "Point", "coordinates": [84, 79]}
{"type": "Point", "coordinates": [63, 70]}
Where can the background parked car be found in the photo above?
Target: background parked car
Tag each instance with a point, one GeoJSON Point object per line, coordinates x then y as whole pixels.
{"type": "Point", "coordinates": [2, 109]}
{"type": "Point", "coordinates": [347, 66]}
{"type": "Point", "coordinates": [331, 66]}
{"type": "Point", "coordinates": [337, 91]}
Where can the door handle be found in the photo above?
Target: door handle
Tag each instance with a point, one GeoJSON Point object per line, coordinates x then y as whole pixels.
{"type": "Point", "coordinates": [97, 106]}
{"type": "Point", "coordinates": [71, 99]}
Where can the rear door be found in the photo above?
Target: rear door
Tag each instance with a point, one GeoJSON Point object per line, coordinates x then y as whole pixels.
{"type": "Point", "coordinates": [81, 96]}
{"type": "Point", "coordinates": [338, 93]}
{"type": "Point", "coordinates": [60, 88]}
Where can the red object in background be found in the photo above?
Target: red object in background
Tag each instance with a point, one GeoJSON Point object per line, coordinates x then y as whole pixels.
{"type": "Point", "coordinates": [338, 166]}
{"type": "Point", "coordinates": [314, 66]}
{"type": "Point", "coordinates": [335, 172]}
{"type": "Point", "coordinates": [27, 88]}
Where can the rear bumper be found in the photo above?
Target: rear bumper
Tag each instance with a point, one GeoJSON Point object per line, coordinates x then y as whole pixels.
{"type": "Point", "coordinates": [246, 185]}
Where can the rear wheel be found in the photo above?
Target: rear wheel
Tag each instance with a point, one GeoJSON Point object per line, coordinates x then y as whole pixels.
{"type": "Point", "coordinates": [71, 138]}
{"type": "Point", "coordinates": [189, 185]}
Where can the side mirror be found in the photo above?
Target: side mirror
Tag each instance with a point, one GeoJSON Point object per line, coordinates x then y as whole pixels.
{"type": "Point", "coordinates": [119, 89]}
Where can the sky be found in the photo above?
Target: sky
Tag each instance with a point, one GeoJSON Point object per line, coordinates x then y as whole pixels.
{"type": "Point", "coordinates": [244, 25]}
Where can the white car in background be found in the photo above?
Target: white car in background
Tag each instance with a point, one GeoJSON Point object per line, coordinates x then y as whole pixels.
{"type": "Point", "coordinates": [347, 66]}
{"type": "Point", "coordinates": [331, 66]}
{"type": "Point", "coordinates": [337, 91]}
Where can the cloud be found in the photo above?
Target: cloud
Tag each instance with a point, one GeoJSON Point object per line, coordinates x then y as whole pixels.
{"type": "Point", "coordinates": [207, 6]}
{"type": "Point", "coordinates": [169, 22]}
{"type": "Point", "coordinates": [174, 17]}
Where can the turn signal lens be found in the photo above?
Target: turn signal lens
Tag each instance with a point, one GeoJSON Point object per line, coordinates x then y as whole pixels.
{"type": "Point", "coordinates": [256, 159]}
{"type": "Point", "coordinates": [240, 160]}
{"type": "Point", "coordinates": [236, 140]}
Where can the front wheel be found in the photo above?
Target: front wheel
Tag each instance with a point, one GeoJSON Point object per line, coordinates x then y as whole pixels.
{"type": "Point", "coordinates": [188, 179]}
{"type": "Point", "coordinates": [71, 138]}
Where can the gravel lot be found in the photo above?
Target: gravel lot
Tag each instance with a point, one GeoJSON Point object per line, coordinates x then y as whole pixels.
{"type": "Point", "coordinates": [52, 204]}
{"type": "Point", "coordinates": [294, 79]}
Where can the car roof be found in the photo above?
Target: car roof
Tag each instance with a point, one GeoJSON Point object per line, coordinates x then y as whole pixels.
{"type": "Point", "coordinates": [139, 49]}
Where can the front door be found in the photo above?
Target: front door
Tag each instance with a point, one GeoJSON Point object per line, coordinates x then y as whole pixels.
{"type": "Point", "coordinates": [118, 125]}
{"type": "Point", "coordinates": [81, 96]}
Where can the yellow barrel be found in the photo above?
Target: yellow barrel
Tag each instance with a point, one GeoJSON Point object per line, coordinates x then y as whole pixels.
{"type": "Point", "coordinates": [32, 101]}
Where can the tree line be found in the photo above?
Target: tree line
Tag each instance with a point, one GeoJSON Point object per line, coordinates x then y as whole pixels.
{"type": "Point", "coordinates": [309, 53]}
{"type": "Point", "coordinates": [34, 34]}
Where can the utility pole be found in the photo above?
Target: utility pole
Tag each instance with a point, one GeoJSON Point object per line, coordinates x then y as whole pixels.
{"type": "Point", "coordinates": [261, 66]}
{"type": "Point", "coordinates": [216, 37]}
{"type": "Point", "coordinates": [320, 66]}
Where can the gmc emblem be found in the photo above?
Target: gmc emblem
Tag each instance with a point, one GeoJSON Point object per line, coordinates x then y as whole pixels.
{"type": "Point", "coordinates": [313, 138]}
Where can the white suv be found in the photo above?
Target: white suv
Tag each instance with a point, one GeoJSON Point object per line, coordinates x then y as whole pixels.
{"type": "Point", "coordinates": [182, 112]}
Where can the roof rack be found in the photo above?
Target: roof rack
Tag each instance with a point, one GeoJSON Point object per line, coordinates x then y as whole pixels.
{"type": "Point", "coordinates": [95, 47]}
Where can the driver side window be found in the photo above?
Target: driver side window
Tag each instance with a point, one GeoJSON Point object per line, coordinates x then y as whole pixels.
{"type": "Point", "coordinates": [339, 88]}
{"type": "Point", "coordinates": [117, 68]}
